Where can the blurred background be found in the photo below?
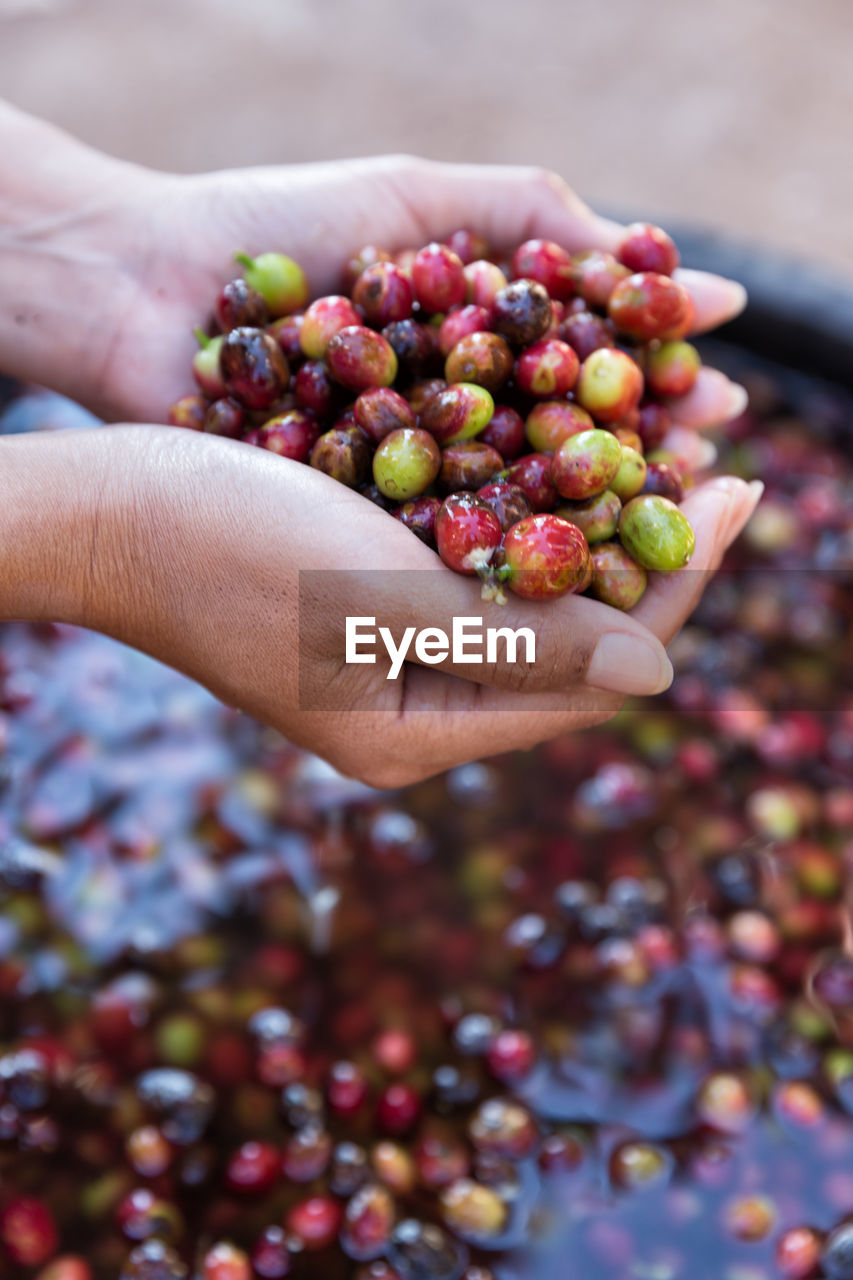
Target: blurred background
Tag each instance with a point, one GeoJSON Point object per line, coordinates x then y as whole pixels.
{"type": "Point", "coordinates": [735, 115]}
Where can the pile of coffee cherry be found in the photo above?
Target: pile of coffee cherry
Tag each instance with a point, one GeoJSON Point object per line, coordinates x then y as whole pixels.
{"type": "Point", "coordinates": [510, 414]}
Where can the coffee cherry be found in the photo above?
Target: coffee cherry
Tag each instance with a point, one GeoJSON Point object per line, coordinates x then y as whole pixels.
{"type": "Point", "coordinates": [532, 474]}
{"type": "Point", "coordinates": [647, 305]}
{"type": "Point", "coordinates": [483, 280]}
{"type": "Point", "coordinates": [68, 1267]}
{"type": "Point", "coordinates": [469, 246]}
{"type": "Point", "coordinates": [279, 280]}
{"type": "Point", "coordinates": [596, 275]}
{"type": "Point", "coordinates": [505, 432]}
{"type": "Point", "coordinates": [384, 293]}
{"type": "Point", "coordinates": [424, 1251]}
{"type": "Point", "coordinates": [288, 332]}
{"type": "Point", "coordinates": [547, 263]}
{"type": "Point", "coordinates": [460, 412]}
{"type": "Point", "coordinates": [664, 481]}
{"type": "Point", "coordinates": [640, 1166]}
{"type": "Point", "coordinates": [653, 423]}
{"type": "Point", "coordinates": [511, 1055]}
{"type": "Point", "coordinates": [226, 1262]}
{"type": "Point", "coordinates": [586, 332]}
{"type": "Point", "coordinates": [315, 1222]}
{"type": "Point", "coordinates": [346, 1089]}
{"type": "Point", "coordinates": [630, 479]}
{"type": "Point", "coordinates": [482, 359]}
{"type": "Point", "coordinates": [225, 417]}
{"type": "Point", "coordinates": [28, 1231]}
{"type": "Point", "coordinates": [405, 463]}
{"type": "Point", "coordinates": [239, 304]}
{"type": "Point", "coordinates": [547, 368]}
{"type": "Point", "coordinates": [399, 1107]}
{"type": "Point", "coordinates": [609, 385]}
{"type": "Point", "coordinates": [358, 358]}
{"type": "Point", "coordinates": [473, 1212]}
{"type": "Point", "coordinates": [153, 1260]}
{"type": "Point", "coordinates": [179, 1102]}
{"type": "Point", "coordinates": [656, 533]}
{"type": "Point", "coordinates": [206, 366]}
{"type": "Point", "coordinates": [422, 391]}
{"type": "Point", "coordinates": [503, 1126]}
{"type": "Point", "coordinates": [367, 1224]}
{"type": "Point", "coordinates": [550, 423]}
{"type": "Point", "coordinates": [725, 1103]}
{"type": "Point", "coordinates": [586, 464]}
{"type": "Point", "coordinates": [508, 501]}
{"type": "Point", "coordinates": [253, 1169]}
{"type": "Point", "coordinates": [394, 1167]}
{"type": "Point", "coordinates": [360, 261]}
{"type": "Point", "coordinates": [188, 412]}
{"type": "Point", "coordinates": [460, 324]}
{"type": "Point", "coordinates": [380, 411]}
{"type": "Point", "coordinates": [438, 277]}
{"type": "Point", "coordinates": [597, 517]}
{"type": "Point", "coordinates": [322, 320]}
{"type": "Point", "coordinates": [419, 516]}
{"type": "Point", "coordinates": [306, 1154]}
{"type": "Point", "coordinates": [798, 1253]}
{"type": "Point", "coordinates": [343, 454]}
{"type": "Point", "coordinates": [750, 1217]}
{"type": "Point", "coordinates": [314, 389]}
{"type": "Point", "coordinates": [415, 345]}
{"type": "Point", "coordinates": [467, 533]}
{"type": "Point", "coordinates": [543, 557]}
{"type": "Point", "coordinates": [521, 312]}
{"type": "Point", "coordinates": [617, 580]}
{"type": "Point", "coordinates": [253, 368]}
{"type": "Point", "coordinates": [645, 247]}
{"type": "Point", "coordinates": [468, 465]}
{"type": "Point", "coordinates": [671, 369]}
{"type": "Point", "coordinates": [290, 435]}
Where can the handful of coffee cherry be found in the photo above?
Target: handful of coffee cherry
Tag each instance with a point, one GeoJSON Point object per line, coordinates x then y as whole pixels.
{"type": "Point", "coordinates": [510, 413]}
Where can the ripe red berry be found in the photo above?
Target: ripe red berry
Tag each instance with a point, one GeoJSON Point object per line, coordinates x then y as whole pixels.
{"type": "Point", "coordinates": [460, 324]}
{"type": "Point", "coordinates": [253, 1168]}
{"type": "Point", "coordinates": [532, 474]}
{"type": "Point", "coordinates": [548, 263]}
{"type": "Point", "coordinates": [467, 533]}
{"type": "Point", "coordinates": [323, 319]}
{"type": "Point", "coordinates": [547, 368]}
{"type": "Point", "coordinates": [438, 276]}
{"type": "Point", "coordinates": [290, 435]}
{"type": "Point", "coordinates": [544, 556]}
{"type": "Point", "coordinates": [359, 358]}
{"type": "Point", "coordinates": [399, 1107]}
{"type": "Point", "coordinates": [645, 247]}
{"type": "Point", "coordinates": [315, 1221]}
{"type": "Point", "coordinates": [647, 305]}
{"type": "Point", "coordinates": [384, 293]}
{"type": "Point", "coordinates": [505, 432]}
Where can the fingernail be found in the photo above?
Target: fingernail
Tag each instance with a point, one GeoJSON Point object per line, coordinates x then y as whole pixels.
{"type": "Point", "coordinates": [626, 663]}
{"type": "Point", "coordinates": [737, 296]}
{"type": "Point", "coordinates": [738, 399]}
{"type": "Point", "coordinates": [744, 510]}
{"type": "Point", "coordinates": [706, 455]}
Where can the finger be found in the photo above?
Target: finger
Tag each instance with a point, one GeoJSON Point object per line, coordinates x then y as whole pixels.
{"type": "Point", "coordinates": [712, 399]}
{"type": "Point", "coordinates": [718, 512]}
{"type": "Point", "coordinates": [715, 298]}
{"type": "Point", "coordinates": [691, 452]}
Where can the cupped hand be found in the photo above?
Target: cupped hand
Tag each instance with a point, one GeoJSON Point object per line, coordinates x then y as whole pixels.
{"type": "Point", "coordinates": [240, 568]}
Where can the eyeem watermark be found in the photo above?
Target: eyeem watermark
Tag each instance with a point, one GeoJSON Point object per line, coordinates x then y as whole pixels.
{"type": "Point", "coordinates": [470, 643]}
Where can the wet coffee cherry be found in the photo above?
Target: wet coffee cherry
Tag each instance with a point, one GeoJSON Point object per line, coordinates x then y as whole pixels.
{"type": "Point", "coordinates": [521, 312]}
{"type": "Point", "coordinates": [394, 1167]}
{"type": "Point", "coordinates": [543, 557]}
{"type": "Point", "coordinates": [424, 1251]}
{"type": "Point", "coordinates": [640, 1166]}
{"type": "Point", "coordinates": [459, 324]}
{"type": "Point", "coordinates": [596, 274]}
{"type": "Point", "coordinates": [349, 1169]}
{"type": "Point", "coordinates": [656, 534]}
{"type": "Point", "coordinates": [480, 358]}
{"type": "Point", "coordinates": [414, 344]}
{"type": "Point", "coordinates": [271, 1258]}
{"type": "Point", "coordinates": [365, 257]}
{"type": "Point", "coordinates": [832, 981]}
{"type": "Point", "coordinates": [459, 412]}
{"type": "Point", "coordinates": [609, 385]}
{"type": "Point", "coordinates": [472, 1211]}
{"type": "Point", "coordinates": [749, 1217]}
{"type": "Point", "coordinates": [468, 465]}
{"type": "Point", "coordinates": [532, 474]}
{"type": "Point", "coordinates": [279, 280]}
{"type": "Point", "coordinates": [468, 245]}
{"type": "Point", "coordinates": [438, 277]}
{"type": "Point", "coordinates": [671, 368]}
{"type": "Point", "coordinates": [290, 435]}
{"type": "Point", "coordinates": [630, 479]}
{"type": "Point", "coordinates": [552, 421]}
{"type": "Point", "coordinates": [406, 463]}
{"type": "Point", "coordinates": [206, 366]}
{"type": "Point", "coordinates": [188, 412]}
{"type": "Point", "coordinates": [597, 518]}
{"type": "Point", "coordinates": [25, 1079]}
{"type": "Point", "coordinates": [344, 455]}
{"type": "Point", "coordinates": [647, 305]}
{"type": "Point", "coordinates": [548, 264]}
{"type": "Point", "coordinates": [225, 417]}
{"type": "Point", "coordinates": [398, 1109]}
{"type": "Point", "coordinates": [306, 1154]}
{"type": "Point", "coordinates": [28, 1231]}
{"type": "Point", "coordinates": [586, 464]}
{"type": "Point", "coordinates": [239, 304]}
{"type": "Point", "coordinates": [287, 332]}
{"type": "Point", "coordinates": [663, 480]}
{"type": "Point", "coordinates": [508, 501]}
{"type": "Point", "coordinates": [586, 332]}
{"type": "Point", "coordinates": [725, 1103]}
{"type": "Point", "coordinates": [253, 367]}
{"type": "Point", "coordinates": [226, 1262]}
{"type": "Point", "coordinates": [467, 533]}
{"type": "Point", "coordinates": [314, 389]}
{"type": "Point", "coordinates": [505, 432]}
{"type": "Point", "coordinates": [547, 368]}
{"type": "Point", "coordinates": [368, 1221]}
{"type": "Point", "coordinates": [503, 1126]}
{"type": "Point", "coordinates": [420, 516]}
{"type": "Point", "coordinates": [359, 358]}
{"type": "Point", "coordinates": [380, 411]}
{"type": "Point", "coordinates": [646, 247]}
{"type": "Point", "coordinates": [511, 1055]}
{"type": "Point", "coordinates": [68, 1267]}
{"type": "Point", "coordinates": [322, 320]}
{"type": "Point", "coordinates": [179, 1102]}
{"type": "Point", "coordinates": [253, 1168]}
{"type": "Point", "coordinates": [315, 1222]}
{"type": "Point", "coordinates": [384, 293]}
{"type": "Point", "coordinates": [483, 280]}
{"type": "Point", "coordinates": [798, 1253]}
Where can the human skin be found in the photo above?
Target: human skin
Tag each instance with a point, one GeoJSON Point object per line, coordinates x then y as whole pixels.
{"type": "Point", "coordinates": [191, 547]}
